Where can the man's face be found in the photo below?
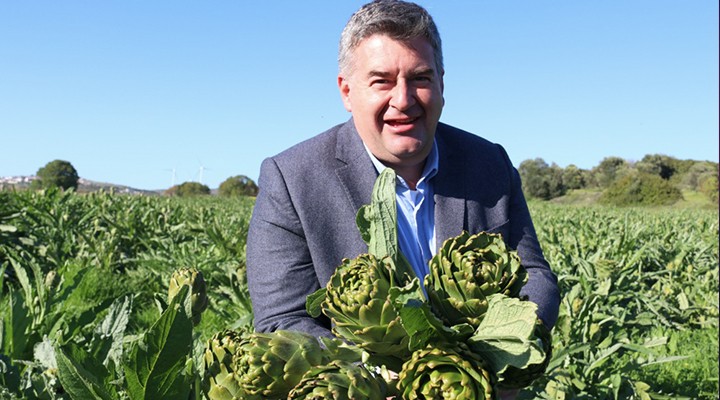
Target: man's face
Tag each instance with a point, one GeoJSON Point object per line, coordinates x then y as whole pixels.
{"type": "Point", "coordinates": [395, 94]}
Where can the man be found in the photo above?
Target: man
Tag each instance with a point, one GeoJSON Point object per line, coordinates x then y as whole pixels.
{"type": "Point", "coordinates": [303, 225]}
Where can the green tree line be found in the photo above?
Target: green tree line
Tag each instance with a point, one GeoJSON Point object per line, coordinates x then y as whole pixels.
{"type": "Point", "coordinates": [62, 174]}
{"type": "Point", "coordinates": [655, 180]}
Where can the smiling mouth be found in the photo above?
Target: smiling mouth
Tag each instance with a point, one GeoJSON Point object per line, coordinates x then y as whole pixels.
{"type": "Point", "coordinates": [400, 122]}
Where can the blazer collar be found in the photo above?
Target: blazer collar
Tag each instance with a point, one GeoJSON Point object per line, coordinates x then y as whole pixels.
{"type": "Point", "coordinates": [357, 176]}
{"type": "Point", "coordinates": [450, 192]}
{"type": "Point", "coordinates": [355, 170]}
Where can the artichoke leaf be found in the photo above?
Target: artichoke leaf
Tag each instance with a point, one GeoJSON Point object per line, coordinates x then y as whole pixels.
{"type": "Point", "coordinates": [313, 304]}
{"type": "Point", "coordinates": [424, 327]}
{"type": "Point", "coordinates": [401, 295]}
{"type": "Point", "coordinates": [506, 336]}
{"type": "Point", "coordinates": [337, 349]}
{"type": "Point", "coordinates": [377, 221]}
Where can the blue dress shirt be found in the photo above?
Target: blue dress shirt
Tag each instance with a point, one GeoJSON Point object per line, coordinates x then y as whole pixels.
{"type": "Point", "coordinates": [416, 214]}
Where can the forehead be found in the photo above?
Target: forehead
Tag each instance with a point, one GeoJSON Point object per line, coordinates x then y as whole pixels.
{"type": "Point", "coordinates": [381, 49]}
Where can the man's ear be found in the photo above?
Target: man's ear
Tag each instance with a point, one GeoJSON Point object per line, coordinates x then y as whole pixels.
{"type": "Point", "coordinates": [442, 85]}
{"type": "Point", "coordinates": [344, 87]}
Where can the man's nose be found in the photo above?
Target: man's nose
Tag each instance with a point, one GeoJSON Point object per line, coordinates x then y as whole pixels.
{"type": "Point", "coordinates": [402, 96]}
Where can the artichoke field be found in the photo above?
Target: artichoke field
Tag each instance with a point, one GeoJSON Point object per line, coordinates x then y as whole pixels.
{"type": "Point", "coordinates": [86, 309]}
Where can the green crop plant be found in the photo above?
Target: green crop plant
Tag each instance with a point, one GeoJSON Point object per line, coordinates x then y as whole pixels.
{"type": "Point", "coordinates": [639, 291]}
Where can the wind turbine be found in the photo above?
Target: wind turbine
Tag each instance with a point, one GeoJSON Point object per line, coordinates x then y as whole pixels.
{"type": "Point", "coordinates": [201, 171]}
{"type": "Point", "coordinates": [174, 176]}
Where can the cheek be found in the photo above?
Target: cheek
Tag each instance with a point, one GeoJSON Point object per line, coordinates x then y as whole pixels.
{"type": "Point", "coordinates": [370, 106]}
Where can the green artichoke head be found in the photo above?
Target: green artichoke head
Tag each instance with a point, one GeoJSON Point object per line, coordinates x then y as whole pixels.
{"type": "Point", "coordinates": [339, 380]}
{"type": "Point", "coordinates": [220, 381]}
{"type": "Point", "coordinates": [198, 291]}
{"type": "Point", "coordinates": [438, 373]}
{"type": "Point", "coordinates": [357, 302]}
{"type": "Point", "coordinates": [269, 365]}
{"type": "Point", "coordinates": [466, 270]}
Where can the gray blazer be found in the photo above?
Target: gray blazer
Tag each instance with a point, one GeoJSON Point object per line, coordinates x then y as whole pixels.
{"type": "Point", "coordinates": [303, 223]}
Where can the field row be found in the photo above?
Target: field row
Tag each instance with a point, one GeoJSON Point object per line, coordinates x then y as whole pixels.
{"type": "Point", "coordinates": [638, 318]}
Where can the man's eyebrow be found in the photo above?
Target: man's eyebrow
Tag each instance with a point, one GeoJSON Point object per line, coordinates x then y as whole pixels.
{"type": "Point", "coordinates": [385, 74]}
{"type": "Point", "coordinates": [381, 74]}
{"type": "Point", "coordinates": [422, 71]}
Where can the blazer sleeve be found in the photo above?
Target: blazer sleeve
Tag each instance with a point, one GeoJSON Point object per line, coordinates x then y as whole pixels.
{"type": "Point", "coordinates": [541, 287]}
{"type": "Point", "coordinates": [280, 271]}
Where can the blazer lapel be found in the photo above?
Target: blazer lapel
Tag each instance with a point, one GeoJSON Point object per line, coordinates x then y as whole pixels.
{"type": "Point", "coordinates": [449, 185]}
{"type": "Point", "coordinates": [357, 176]}
{"type": "Point", "coordinates": [355, 170]}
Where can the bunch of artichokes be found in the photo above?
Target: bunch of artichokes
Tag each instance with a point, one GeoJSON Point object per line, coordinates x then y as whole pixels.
{"type": "Point", "coordinates": [464, 336]}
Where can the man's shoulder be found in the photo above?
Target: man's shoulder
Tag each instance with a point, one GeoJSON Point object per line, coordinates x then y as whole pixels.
{"type": "Point", "coordinates": [459, 140]}
{"type": "Point", "coordinates": [322, 146]}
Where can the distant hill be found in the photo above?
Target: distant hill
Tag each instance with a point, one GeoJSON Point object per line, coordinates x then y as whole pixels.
{"type": "Point", "coordinates": [84, 186]}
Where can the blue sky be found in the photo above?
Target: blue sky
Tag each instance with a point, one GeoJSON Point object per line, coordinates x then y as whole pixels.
{"type": "Point", "coordinates": [130, 91]}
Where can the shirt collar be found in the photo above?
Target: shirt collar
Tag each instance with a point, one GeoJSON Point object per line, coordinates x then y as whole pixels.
{"type": "Point", "coordinates": [431, 164]}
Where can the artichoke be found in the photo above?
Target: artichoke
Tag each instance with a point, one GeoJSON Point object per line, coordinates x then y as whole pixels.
{"type": "Point", "coordinates": [220, 380]}
{"type": "Point", "coordinates": [466, 270]}
{"type": "Point", "coordinates": [198, 292]}
{"type": "Point", "coordinates": [436, 373]}
{"type": "Point", "coordinates": [269, 365]}
{"type": "Point", "coordinates": [339, 380]}
{"type": "Point", "coordinates": [357, 302]}
{"type": "Point", "coordinates": [516, 378]}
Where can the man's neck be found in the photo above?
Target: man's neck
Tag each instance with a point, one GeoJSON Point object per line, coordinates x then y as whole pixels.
{"type": "Point", "coordinates": [411, 175]}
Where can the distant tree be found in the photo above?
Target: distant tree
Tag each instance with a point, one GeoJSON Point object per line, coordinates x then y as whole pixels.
{"type": "Point", "coordinates": [573, 177]}
{"type": "Point", "coordinates": [56, 173]}
{"type": "Point", "coordinates": [697, 172]}
{"type": "Point", "coordinates": [638, 188]}
{"type": "Point", "coordinates": [239, 185]}
{"type": "Point", "coordinates": [541, 181]}
{"type": "Point", "coordinates": [608, 170]}
{"type": "Point", "coordinates": [708, 185]}
{"type": "Point", "coordinates": [187, 189]}
{"type": "Point", "coordinates": [658, 164]}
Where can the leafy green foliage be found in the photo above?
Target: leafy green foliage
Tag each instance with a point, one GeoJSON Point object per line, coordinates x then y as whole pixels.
{"type": "Point", "coordinates": [620, 181]}
{"type": "Point", "coordinates": [696, 373]}
{"type": "Point", "coordinates": [65, 258]}
{"type": "Point", "coordinates": [159, 368]}
{"type": "Point", "coordinates": [187, 189]}
{"type": "Point", "coordinates": [609, 169]}
{"type": "Point", "coordinates": [659, 165]}
{"type": "Point", "coordinates": [708, 185]}
{"type": "Point", "coordinates": [574, 177]}
{"type": "Point", "coordinates": [641, 189]}
{"type": "Point", "coordinates": [239, 185]}
{"type": "Point", "coordinates": [639, 314]}
{"type": "Point", "coordinates": [56, 173]}
{"type": "Point", "coordinates": [629, 278]}
{"type": "Point", "coordinates": [540, 180]}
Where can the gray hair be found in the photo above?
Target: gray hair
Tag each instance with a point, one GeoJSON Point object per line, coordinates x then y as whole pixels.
{"type": "Point", "coordinates": [400, 20]}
